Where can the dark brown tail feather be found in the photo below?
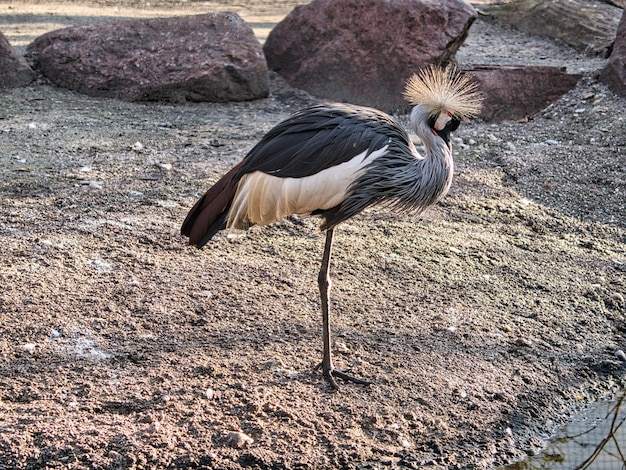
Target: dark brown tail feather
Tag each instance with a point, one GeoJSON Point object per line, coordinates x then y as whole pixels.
{"type": "Point", "coordinates": [208, 215]}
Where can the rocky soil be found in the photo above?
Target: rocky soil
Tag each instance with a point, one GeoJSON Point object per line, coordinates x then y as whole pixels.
{"type": "Point", "coordinates": [483, 324]}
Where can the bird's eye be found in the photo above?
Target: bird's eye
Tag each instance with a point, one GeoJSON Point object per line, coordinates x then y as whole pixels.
{"type": "Point", "coordinates": [454, 124]}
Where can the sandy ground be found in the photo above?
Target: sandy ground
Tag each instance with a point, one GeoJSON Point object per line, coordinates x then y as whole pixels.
{"type": "Point", "coordinates": [483, 324]}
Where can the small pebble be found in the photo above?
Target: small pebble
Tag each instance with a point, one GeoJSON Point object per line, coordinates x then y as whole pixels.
{"type": "Point", "coordinates": [552, 142]}
{"type": "Point", "coordinates": [29, 347]}
{"type": "Point", "coordinates": [154, 427]}
{"type": "Point", "coordinates": [620, 355]}
{"type": "Point", "coordinates": [460, 392]}
{"type": "Point", "coordinates": [115, 456]}
{"type": "Point", "coordinates": [524, 342]}
{"type": "Point", "coordinates": [237, 440]}
{"type": "Point", "coordinates": [511, 146]}
{"type": "Point", "coordinates": [210, 394]}
{"type": "Point", "coordinates": [137, 147]}
{"type": "Point", "coordinates": [165, 166]}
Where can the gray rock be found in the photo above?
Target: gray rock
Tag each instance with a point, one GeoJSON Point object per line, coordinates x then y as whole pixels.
{"type": "Point", "coordinates": [520, 92]}
{"type": "Point", "coordinates": [14, 70]}
{"type": "Point", "coordinates": [584, 24]}
{"type": "Point", "coordinates": [212, 57]}
{"type": "Point", "coordinates": [363, 51]}
{"type": "Point", "coordinates": [238, 439]}
{"type": "Point", "coordinates": [614, 73]}
{"type": "Point", "coordinates": [617, 3]}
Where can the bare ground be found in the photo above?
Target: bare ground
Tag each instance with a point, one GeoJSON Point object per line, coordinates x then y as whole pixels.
{"type": "Point", "coordinates": [484, 324]}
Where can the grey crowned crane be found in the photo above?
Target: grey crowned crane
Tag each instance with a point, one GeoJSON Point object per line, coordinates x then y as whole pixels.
{"type": "Point", "coordinates": [334, 160]}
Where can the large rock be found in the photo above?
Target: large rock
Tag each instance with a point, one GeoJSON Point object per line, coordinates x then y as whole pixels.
{"type": "Point", "coordinates": [520, 92]}
{"type": "Point", "coordinates": [363, 51]}
{"type": "Point", "coordinates": [614, 73]}
{"type": "Point", "coordinates": [617, 3]}
{"type": "Point", "coordinates": [14, 70]}
{"type": "Point", "coordinates": [213, 57]}
{"type": "Point", "coordinates": [587, 25]}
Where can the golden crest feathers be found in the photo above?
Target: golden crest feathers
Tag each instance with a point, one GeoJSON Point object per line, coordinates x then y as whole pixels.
{"type": "Point", "coordinates": [446, 89]}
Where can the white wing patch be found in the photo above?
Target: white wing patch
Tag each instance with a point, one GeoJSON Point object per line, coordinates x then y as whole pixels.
{"type": "Point", "coordinates": [262, 198]}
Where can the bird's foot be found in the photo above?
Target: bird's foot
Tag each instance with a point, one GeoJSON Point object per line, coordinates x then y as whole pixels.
{"type": "Point", "coordinates": [330, 373]}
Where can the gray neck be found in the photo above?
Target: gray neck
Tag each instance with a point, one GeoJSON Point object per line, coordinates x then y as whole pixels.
{"type": "Point", "coordinates": [437, 167]}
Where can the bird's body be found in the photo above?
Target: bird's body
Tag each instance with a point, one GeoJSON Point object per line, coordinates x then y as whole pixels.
{"type": "Point", "coordinates": [333, 160]}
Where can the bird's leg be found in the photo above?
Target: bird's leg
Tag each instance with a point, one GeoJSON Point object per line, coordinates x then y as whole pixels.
{"type": "Point", "coordinates": [324, 283]}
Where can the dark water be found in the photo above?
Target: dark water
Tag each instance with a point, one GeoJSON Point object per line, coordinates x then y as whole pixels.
{"type": "Point", "coordinates": [595, 439]}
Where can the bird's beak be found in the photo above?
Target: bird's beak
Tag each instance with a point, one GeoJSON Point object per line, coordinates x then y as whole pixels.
{"type": "Point", "coordinates": [443, 119]}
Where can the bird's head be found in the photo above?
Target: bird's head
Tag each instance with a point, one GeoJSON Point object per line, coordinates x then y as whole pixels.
{"type": "Point", "coordinates": [443, 97]}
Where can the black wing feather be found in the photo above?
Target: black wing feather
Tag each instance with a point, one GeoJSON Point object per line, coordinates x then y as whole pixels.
{"type": "Point", "coordinates": [320, 137]}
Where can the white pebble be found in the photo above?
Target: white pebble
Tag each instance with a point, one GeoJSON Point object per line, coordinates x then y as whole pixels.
{"type": "Point", "coordinates": [620, 355]}
{"type": "Point", "coordinates": [552, 142]}
{"type": "Point", "coordinates": [511, 146]}
{"type": "Point", "coordinates": [524, 342]}
{"type": "Point", "coordinates": [165, 166]}
{"type": "Point", "coordinates": [85, 169]}
{"type": "Point", "coordinates": [238, 439]}
{"type": "Point", "coordinates": [54, 334]}
{"type": "Point", "coordinates": [29, 347]}
{"type": "Point", "coordinates": [137, 147]}
{"type": "Point", "coordinates": [210, 394]}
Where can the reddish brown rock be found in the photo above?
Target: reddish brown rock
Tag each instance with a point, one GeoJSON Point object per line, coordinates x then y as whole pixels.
{"type": "Point", "coordinates": [14, 70]}
{"type": "Point", "coordinates": [587, 25]}
{"type": "Point", "coordinates": [213, 57]}
{"type": "Point", "coordinates": [363, 51]}
{"type": "Point", "coordinates": [520, 92]}
{"type": "Point", "coordinates": [614, 73]}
